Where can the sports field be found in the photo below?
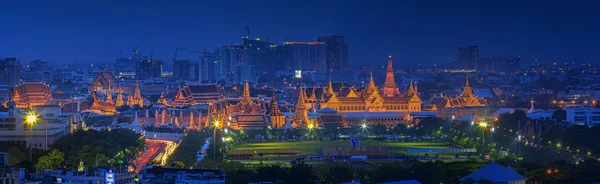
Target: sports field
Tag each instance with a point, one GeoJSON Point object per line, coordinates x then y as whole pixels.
{"type": "Point", "coordinates": [310, 147]}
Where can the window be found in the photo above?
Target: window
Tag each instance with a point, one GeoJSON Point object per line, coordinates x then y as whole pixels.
{"type": "Point", "coordinates": [579, 113]}
{"type": "Point", "coordinates": [579, 118]}
{"type": "Point", "coordinates": [595, 118]}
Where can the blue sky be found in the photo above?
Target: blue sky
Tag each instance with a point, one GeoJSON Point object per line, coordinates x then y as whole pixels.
{"type": "Point", "coordinates": [412, 31]}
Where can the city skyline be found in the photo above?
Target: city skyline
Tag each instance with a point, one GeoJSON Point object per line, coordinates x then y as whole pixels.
{"type": "Point", "coordinates": [428, 33]}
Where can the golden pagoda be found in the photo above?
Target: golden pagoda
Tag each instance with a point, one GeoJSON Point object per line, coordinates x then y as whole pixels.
{"type": "Point", "coordinates": [389, 88]}
{"type": "Point", "coordinates": [301, 113]}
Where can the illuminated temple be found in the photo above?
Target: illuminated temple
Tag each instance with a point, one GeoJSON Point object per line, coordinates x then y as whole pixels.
{"type": "Point", "coordinates": [386, 98]}
{"type": "Point", "coordinates": [101, 99]}
{"type": "Point", "coordinates": [27, 95]}
{"type": "Point", "coordinates": [465, 99]}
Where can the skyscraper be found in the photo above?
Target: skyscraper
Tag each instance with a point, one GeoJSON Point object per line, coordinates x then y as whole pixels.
{"type": "Point", "coordinates": [307, 56]}
{"type": "Point", "coordinates": [230, 55]}
{"type": "Point", "coordinates": [10, 71]}
{"type": "Point", "coordinates": [210, 68]}
{"type": "Point", "coordinates": [148, 68]}
{"type": "Point", "coordinates": [185, 70]}
{"type": "Point", "coordinates": [337, 52]}
{"type": "Point", "coordinates": [467, 57]}
{"type": "Point", "coordinates": [38, 71]}
{"type": "Point", "coordinates": [506, 64]}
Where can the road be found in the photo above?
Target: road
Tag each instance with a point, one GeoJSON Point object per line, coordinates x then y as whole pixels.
{"type": "Point", "coordinates": [152, 150]}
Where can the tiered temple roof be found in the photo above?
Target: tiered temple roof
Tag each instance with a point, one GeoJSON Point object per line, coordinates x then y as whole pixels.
{"type": "Point", "coordinates": [454, 100]}
{"type": "Point", "coordinates": [193, 94]}
{"type": "Point", "coordinates": [31, 94]}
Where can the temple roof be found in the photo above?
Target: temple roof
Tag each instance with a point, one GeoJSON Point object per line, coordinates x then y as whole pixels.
{"type": "Point", "coordinates": [192, 94]}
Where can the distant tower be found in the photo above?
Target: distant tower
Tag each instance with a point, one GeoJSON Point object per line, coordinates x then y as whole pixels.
{"type": "Point", "coordinates": [246, 103]}
{"type": "Point", "coordinates": [301, 113]}
{"type": "Point", "coordinates": [277, 118]}
{"type": "Point", "coordinates": [390, 88]}
{"type": "Point", "coordinates": [109, 97]}
{"type": "Point", "coordinates": [119, 101]}
{"type": "Point", "coordinates": [411, 88]}
{"type": "Point", "coordinates": [162, 100]}
{"type": "Point", "coordinates": [371, 87]}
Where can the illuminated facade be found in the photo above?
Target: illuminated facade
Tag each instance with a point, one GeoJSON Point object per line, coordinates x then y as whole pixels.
{"type": "Point", "coordinates": [105, 83]}
{"type": "Point", "coordinates": [31, 94]}
{"type": "Point", "coordinates": [102, 107]}
{"type": "Point", "coordinates": [389, 88]}
{"type": "Point", "coordinates": [137, 98]}
{"type": "Point", "coordinates": [195, 94]}
{"type": "Point", "coordinates": [466, 99]}
{"type": "Point", "coordinates": [371, 99]}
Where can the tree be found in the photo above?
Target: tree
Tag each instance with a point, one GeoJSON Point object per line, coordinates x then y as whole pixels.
{"type": "Point", "coordinates": [337, 174]}
{"type": "Point", "coordinates": [559, 115]}
{"type": "Point", "coordinates": [52, 161]}
{"type": "Point", "coordinates": [300, 173]}
{"type": "Point", "coordinates": [177, 164]}
{"type": "Point", "coordinates": [15, 155]}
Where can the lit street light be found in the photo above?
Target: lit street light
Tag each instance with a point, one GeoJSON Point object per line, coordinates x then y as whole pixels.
{"type": "Point", "coordinates": [216, 125]}
{"type": "Point", "coordinates": [31, 119]}
{"type": "Point", "coordinates": [364, 126]}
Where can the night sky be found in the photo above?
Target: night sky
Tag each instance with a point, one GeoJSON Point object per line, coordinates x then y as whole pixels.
{"type": "Point", "coordinates": [412, 31]}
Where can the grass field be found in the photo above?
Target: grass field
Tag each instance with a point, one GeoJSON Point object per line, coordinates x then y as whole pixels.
{"type": "Point", "coordinates": [310, 147]}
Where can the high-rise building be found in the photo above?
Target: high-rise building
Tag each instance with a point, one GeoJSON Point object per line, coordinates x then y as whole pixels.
{"type": "Point", "coordinates": [337, 52]}
{"type": "Point", "coordinates": [506, 64]}
{"type": "Point", "coordinates": [185, 70]}
{"type": "Point", "coordinates": [125, 65]}
{"type": "Point", "coordinates": [307, 56]}
{"type": "Point", "coordinates": [148, 68]}
{"type": "Point", "coordinates": [467, 57]}
{"type": "Point", "coordinates": [38, 71]}
{"type": "Point", "coordinates": [268, 60]}
{"type": "Point", "coordinates": [11, 71]}
{"type": "Point", "coordinates": [230, 55]}
{"type": "Point", "coordinates": [241, 72]}
{"type": "Point", "coordinates": [210, 68]}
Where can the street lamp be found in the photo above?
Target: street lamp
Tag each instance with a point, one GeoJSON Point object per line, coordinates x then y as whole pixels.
{"type": "Point", "coordinates": [216, 125]}
{"type": "Point", "coordinates": [311, 126]}
{"type": "Point", "coordinates": [31, 119]}
{"type": "Point", "coordinates": [482, 125]}
{"type": "Point", "coordinates": [364, 126]}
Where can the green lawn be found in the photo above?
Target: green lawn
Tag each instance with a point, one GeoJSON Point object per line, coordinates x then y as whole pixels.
{"type": "Point", "coordinates": [310, 147]}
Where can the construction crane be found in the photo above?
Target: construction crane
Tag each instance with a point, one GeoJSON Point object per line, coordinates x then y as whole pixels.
{"type": "Point", "coordinates": [134, 48]}
{"type": "Point", "coordinates": [185, 49]}
{"type": "Point", "coordinates": [248, 30]}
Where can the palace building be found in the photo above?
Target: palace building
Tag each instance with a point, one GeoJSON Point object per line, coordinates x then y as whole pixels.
{"type": "Point", "coordinates": [371, 99]}
{"type": "Point", "coordinates": [27, 95]}
{"type": "Point", "coordinates": [466, 99]}
{"type": "Point", "coordinates": [195, 94]}
{"type": "Point", "coordinates": [343, 100]}
{"type": "Point", "coordinates": [105, 83]}
{"type": "Point", "coordinates": [104, 86]}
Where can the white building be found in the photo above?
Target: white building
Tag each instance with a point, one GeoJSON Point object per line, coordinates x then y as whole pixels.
{"type": "Point", "coordinates": [49, 127]}
{"type": "Point", "coordinates": [583, 116]}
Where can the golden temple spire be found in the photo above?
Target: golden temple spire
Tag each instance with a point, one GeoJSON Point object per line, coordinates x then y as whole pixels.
{"type": "Point", "coordinates": [411, 89]}
{"type": "Point", "coordinates": [371, 86]}
{"type": "Point", "coordinates": [389, 87]}
{"type": "Point", "coordinates": [119, 101]}
{"type": "Point", "coordinates": [467, 91]}
{"type": "Point", "coordinates": [330, 88]}
{"type": "Point", "coordinates": [109, 96]}
{"type": "Point", "coordinates": [352, 93]}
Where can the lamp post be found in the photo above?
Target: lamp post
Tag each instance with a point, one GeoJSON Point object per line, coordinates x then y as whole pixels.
{"type": "Point", "coordinates": [31, 119]}
{"type": "Point", "coordinates": [482, 125]}
{"type": "Point", "coordinates": [215, 126]}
